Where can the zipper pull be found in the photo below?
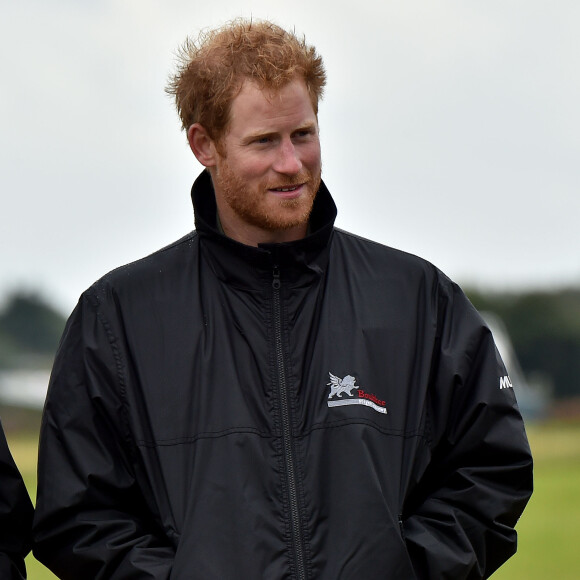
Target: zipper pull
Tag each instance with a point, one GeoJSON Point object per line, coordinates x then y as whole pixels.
{"type": "Point", "coordinates": [276, 281]}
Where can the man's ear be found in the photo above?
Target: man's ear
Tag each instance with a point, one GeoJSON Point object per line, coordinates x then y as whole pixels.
{"type": "Point", "coordinates": [202, 145]}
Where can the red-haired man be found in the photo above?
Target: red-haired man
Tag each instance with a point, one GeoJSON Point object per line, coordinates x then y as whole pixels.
{"type": "Point", "coordinates": [270, 397]}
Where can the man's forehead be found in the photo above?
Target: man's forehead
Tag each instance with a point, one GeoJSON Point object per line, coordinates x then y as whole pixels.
{"type": "Point", "coordinates": [254, 100]}
{"type": "Point", "coordinates": [251, 86]}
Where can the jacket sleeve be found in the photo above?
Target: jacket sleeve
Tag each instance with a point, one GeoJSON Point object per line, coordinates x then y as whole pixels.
{"type": "Point", "coordinates": [15, 517]}
{"type": "Point", "coordinates": [92, 519]}
{"type": "Point", "coordinates": [459, 523]}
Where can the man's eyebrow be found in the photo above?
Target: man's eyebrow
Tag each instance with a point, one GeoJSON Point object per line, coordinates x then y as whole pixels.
{"type": "Point", "coordinates": [258, 135]}
{"type": "Point", "coordinates": [307, 126]}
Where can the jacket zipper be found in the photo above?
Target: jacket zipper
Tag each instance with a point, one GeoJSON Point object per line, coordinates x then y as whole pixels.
{"type": "Point", "coordinates": [289, 459]}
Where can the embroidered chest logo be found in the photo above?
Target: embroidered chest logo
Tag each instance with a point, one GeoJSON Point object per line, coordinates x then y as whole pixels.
{"type": "Point", "coordinates": [347, 385]}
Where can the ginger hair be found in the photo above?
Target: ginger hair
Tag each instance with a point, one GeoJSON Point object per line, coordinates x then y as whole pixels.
{"type": "Point", "coordinates": [212, 69]}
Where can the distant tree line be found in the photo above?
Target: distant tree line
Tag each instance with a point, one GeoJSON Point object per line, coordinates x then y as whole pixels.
{"type": "Point", "coordinates": [545, 331]}
{"type": "Point", "coordinates": [30, 330]}
{"type": "Point", "coordinates": [544, 328]}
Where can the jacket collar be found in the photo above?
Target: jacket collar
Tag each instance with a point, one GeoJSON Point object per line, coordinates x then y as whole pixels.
{"type": "Point", "coordinates": [243, 265]}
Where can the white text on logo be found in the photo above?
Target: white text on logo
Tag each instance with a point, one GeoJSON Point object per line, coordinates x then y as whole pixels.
{"type": "Point", "coordinates": [505, 382]}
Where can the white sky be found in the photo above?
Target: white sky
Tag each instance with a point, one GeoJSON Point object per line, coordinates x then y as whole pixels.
{"type": "Point", "coordinates": [450, 129]}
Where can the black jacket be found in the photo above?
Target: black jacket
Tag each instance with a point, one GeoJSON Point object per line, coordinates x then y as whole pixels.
{"type": "Point", "coordinates": [15, 516]}
{"type": "Point", "coordinates": [324, 409]}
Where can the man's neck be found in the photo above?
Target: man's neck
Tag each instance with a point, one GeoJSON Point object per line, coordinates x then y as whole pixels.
{"type": "Point", "coordinates": [253, 236]}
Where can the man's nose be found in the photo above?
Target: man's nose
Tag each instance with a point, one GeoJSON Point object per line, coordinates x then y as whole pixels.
{"type": "Point", "coordinates": [287, 160]}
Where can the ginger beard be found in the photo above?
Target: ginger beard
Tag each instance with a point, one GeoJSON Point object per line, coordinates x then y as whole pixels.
{"type": "Point", "coordinates": [260, 207]}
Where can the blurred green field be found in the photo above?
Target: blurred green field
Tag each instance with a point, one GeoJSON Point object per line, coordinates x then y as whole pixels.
{"type": "Point", "coordinates": [549, 530]}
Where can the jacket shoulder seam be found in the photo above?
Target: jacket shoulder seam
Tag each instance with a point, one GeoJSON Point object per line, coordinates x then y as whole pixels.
{"type": "Point", "coordinates": [117, 357]}
{"type": "Point", "coordinates": [187, 238]}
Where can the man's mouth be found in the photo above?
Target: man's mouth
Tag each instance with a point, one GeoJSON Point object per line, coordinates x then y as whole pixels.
{"type": "Point", "coordinates": [284, 189]}
{"type": "Point", "coordinates": [288, 192]}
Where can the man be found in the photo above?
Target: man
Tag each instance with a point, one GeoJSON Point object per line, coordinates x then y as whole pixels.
{"type": "Point", "coordinates": [270, 397]}
{"type": "Point", "coordinates": [15, 516]}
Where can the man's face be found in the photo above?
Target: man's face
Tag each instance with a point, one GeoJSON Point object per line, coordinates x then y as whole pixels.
{"type": "Point", "coordinates": [267, 171]}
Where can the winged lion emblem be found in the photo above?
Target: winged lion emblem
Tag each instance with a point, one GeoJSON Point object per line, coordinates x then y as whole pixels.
{"type": "Point", "coordinates": [339, 386]}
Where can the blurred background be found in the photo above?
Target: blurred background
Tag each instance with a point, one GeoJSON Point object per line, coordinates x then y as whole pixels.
{"type": "Point", "coordinates": [450, 130]}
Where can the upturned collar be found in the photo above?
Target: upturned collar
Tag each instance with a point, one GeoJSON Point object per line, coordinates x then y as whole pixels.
{"type": "Point", "coordinates": [239, 264]}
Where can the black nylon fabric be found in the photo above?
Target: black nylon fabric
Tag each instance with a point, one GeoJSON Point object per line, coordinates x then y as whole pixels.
{"type": "Point", "coordinates": [15, 516]}
{"type": "Point", "coordinates": [193, 428]}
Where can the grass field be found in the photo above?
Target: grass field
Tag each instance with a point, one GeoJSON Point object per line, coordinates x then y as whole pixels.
{"type": "Point", "coordinates": [549, 530]}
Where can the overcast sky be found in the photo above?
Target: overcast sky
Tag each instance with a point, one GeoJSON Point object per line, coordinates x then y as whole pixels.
{"type": "Point", "coordinates": [450, 129]}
